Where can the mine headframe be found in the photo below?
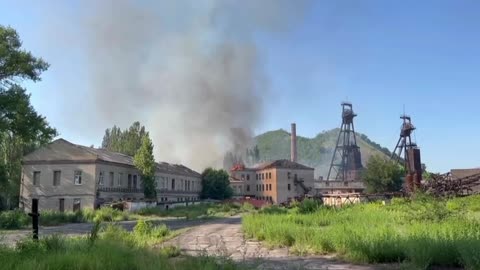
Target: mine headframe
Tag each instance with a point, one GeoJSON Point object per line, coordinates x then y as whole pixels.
{"type": "Point", "coordinates": [408, 153]}
{"type": "Point", "coordinates": [346, 160]}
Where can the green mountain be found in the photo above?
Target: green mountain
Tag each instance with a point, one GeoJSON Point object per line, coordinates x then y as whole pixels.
{"type": "Point", "coordinates": [314, 152]}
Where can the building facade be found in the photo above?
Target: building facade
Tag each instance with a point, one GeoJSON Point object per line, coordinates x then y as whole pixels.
{"type": "Point", "coordinates": [64, 176]}
{"type": "Point", "coordinates": [276, 181]}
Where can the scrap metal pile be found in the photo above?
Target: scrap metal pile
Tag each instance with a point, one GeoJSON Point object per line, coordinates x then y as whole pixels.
{"type": "Point", "coordinates": [445, 185]}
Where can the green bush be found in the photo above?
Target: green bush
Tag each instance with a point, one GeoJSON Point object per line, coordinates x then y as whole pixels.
{"type": "Point", "coordinates": [14, 219]}
{"type": "Point", "coordinates": [308, 206]}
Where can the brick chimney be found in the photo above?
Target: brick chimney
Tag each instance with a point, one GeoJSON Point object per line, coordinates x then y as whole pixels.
{"type": "Point", "coordinates": [293, 145]}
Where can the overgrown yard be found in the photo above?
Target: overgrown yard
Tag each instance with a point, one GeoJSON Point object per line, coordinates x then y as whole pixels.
{"type": "Point", "coordinates": [205, 210]}
{"type": "Point", "coordinates": [17, 219]}
{"type": "Point", "coordinates": [111, 248]}
{"type": "Point", "coordinates": [419, 233]}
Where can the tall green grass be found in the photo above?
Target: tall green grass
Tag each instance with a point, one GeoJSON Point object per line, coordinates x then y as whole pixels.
{"type": "Point", "coordinates": [204, 210]}
{"type": "Point", "coordinates": [422, 232]}
{"type": "Point", "coordinates": [17, 219]}
{"type": "Point", "coordinates": [115, 248]}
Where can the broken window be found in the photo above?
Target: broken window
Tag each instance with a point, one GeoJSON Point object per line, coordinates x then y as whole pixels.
{"type": "Point", "coordinates": [77, 178]}
{"type": "Point", "coordinates": [100, 178]}
{"type": "Point", "coordinates": [76, 204]}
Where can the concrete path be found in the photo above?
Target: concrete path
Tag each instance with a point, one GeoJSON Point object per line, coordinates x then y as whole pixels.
{"type": "Point", "coordinates": [224, 237]}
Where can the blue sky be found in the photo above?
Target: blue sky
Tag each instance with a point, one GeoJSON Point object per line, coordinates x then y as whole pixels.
{"type": "Point", "coordinates": [380, 55]}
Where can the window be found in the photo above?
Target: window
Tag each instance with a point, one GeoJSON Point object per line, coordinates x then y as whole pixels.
{"type": "Point", "coordinates": [345, 184]}
{"type": "Point", "coordinates": [263, 176]}
{"type": "Point", "coordinates": [100, 178]}
{"type": "Point", "coordinates": [56, 178]}
{"type": "Point", "coordinates": [270, 175]}
{"type": "Point", "coordinates": [134, 181]}
{"type": "Point", "coordinates": [193, 185]}
{"type": "Point", "coordinates": [295, 176]}
{"type": "Point", "coordinates": [257, 187]}
{"type": "Point", "coordinates": [181, 184]}
{"type": "Point", "coordinates": [36, 178]}
{"type": "Point", "coordinates": [270, 186]}
{"type": "Point", "coordinates": [256, 176]}
{"type": "Point", "coordinates": [112, 179]}
{"type": "Point", "coordinates": [243, 177]}
{"type": "Point", "coordinates": [119, 179]}
{"type": "Point", "coordinates": [61, 205]}
{"type": "Point", "coordinates": [248, 177]}
{"type": "Point", "coordinates": [288, 187]}
{"type": "Point", "coordinates": [76, 204]}
{"type": "Point", "coordinates": [129, 181]}
{"type": "Point", "coordinates": [288, 175]}
{"type": "Point", "coordinates": [77, 177]}
{"type": "Point", "coordinates": [173, 184]}
{"type": "Point", "coordinates": [248, 187]}
{"type": "Point", "coordinates": [188, 185]}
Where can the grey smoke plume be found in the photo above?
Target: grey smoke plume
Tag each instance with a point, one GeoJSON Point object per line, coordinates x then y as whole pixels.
{"type": "Point", "coordinates": [189, 70]}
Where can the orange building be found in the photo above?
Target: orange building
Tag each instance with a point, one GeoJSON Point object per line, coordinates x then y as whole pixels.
{"type": "Point", "coordinates": [274, 181]}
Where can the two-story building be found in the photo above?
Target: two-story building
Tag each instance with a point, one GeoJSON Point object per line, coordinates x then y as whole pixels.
{"type": "Point", "coordinates": [275, 181]}
{"type": "Point", "coordinates": [65, 176]}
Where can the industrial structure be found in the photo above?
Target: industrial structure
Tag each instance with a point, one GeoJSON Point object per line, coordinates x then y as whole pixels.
{"type": "Point", "coordinates": [344, 174]}
{"type": "Point", "coordinates": [64, 176]}
{"type": "Point", "coordinates": [346, 162]}
{"type": "Point", "coordinates": [276, 181]}
{"type": "Point", "coordinates": [411, 155]}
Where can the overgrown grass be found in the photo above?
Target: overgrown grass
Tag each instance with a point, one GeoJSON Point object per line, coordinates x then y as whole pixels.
{"type": "Point", "coordinates": [205, 210]}
{"type": "Point", "coordinates": [17, 219]}
{"type": "Point", "coordinates": [115, 248]}
{"type": "Point", "coordinates": [422, 232]}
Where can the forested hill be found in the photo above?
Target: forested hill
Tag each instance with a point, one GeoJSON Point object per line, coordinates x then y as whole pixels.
{"type": "Point", "coordinates": [314, 152]}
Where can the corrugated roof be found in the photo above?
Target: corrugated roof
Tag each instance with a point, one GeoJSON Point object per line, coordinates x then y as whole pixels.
{"type": "Point", "coordinates": [281, 163]}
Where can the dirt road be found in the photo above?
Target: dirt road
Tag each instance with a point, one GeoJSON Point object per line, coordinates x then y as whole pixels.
{"type": "Point", "coordinates": [224, 237]}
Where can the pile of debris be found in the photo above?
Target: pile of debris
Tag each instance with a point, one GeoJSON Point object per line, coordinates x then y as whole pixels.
{"type": "Point", "coordinates": [444, 185]}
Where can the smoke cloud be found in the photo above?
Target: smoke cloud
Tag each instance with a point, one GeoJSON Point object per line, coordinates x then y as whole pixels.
{"type": "Point", "coordinates": [189, 71]}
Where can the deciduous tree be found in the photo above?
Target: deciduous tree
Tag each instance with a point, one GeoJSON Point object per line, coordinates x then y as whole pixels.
{"type": "Point", "coordinates": [145, 163]}
{"type": "Point", "coordinates": [22, 129]}
{"type": "Point", "coordinates": [382, 175]}
{"type": "Point", "coordinates": [215, 184]}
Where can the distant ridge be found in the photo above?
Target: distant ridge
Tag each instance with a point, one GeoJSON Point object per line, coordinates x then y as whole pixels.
{"type": "Point", "coordinates": [313, 152]}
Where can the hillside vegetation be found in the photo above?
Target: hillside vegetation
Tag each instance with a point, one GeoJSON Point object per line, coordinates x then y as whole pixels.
{"type": "Point", "coordinates": [314, 152]}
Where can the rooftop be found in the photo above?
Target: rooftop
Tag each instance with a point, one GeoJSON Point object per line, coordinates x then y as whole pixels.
{"type": "Point", "coordinates": [64, 151]}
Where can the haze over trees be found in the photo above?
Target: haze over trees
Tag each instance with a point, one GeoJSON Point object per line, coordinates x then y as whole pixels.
{"type": "Point", "coordinates": [215, 185]}
{"type": "Point", "coordinates": [22, 129]}
{"type": "Point", "coordinates": [382, 175]}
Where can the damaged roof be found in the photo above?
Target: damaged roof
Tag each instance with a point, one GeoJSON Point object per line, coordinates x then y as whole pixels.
{"type": "Point", "coordinates": [64, 151]}
{"type": "Point", "coordinates": [282, 164]}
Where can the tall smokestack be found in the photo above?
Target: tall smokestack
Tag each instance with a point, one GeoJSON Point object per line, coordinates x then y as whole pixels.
{"type": "Point", "coordinates": [293, 145]}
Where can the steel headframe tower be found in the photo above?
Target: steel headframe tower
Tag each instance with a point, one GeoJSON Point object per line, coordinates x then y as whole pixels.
{"type": "Point", "coordinates": [411, 159]}
{"type": "Point", "coordinates": [346, 161]}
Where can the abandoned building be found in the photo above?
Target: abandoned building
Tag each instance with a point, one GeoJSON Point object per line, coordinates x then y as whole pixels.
{"type": "Point", "coordinates": [275, 181]}
{"type": "Point", "coordinates": [65, 176]}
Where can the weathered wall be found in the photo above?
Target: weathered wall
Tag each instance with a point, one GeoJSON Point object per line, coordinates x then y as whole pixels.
{"type": "Point", "coordinates": [49, 195]}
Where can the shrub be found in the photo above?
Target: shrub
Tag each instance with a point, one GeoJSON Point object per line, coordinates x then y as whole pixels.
{"type": "Point", "coordinates": [14, 219]}
{"type": "Point", "coordinates": [308, 206]}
